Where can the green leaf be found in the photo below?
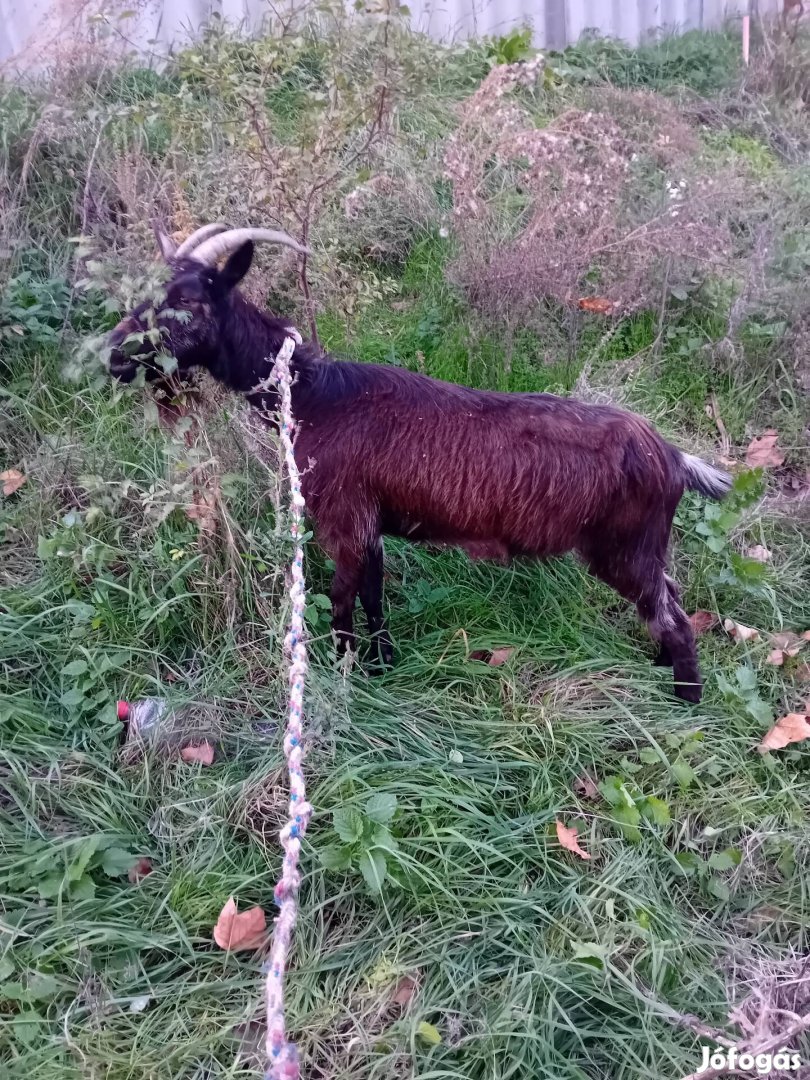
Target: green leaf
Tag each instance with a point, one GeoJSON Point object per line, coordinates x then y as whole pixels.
{"type": "Point", "coordinates": [725, 687]}
{"type": "Point", "coordinates": [373, 868]}
{"type": "Point", "coordinates": [429, 1034]}
{"type": "Point", "coordinates": [649, 756]}
{"type": "Point", "coordinates": [688, 862]}
{"type": "Point", "coordinates": [26, 1027]}
{"type": "Point", "coordinates": [656, 810]}
{"type": "Point", "coordinates": [628, 818]}
{"type": "Point", "coordinates": [381, 807]}
{"type": "Point", "coordinates": [590, 952]}
{"type": "Point", "coordinates": [51, 886]}
{"type": "Point", "coordinates": [115, 862]}
{"type": "Point", "coordinates": [786, 863]}
{"type": "Point", "coordinates": [718, 888]}
{"type": "Point", "coordinates": [381, 837]}
{"type": "Point", "coordinates": [42, 987]}
{"type": "Point", "coordinates": [73, 697]}
{"type": "Point", "coordinates": [83, 889]}
{"type": "Point", "coordinates": [6, 968]}
{"type": "Point", "coordinates": [611, 789]}
{"type": "Point", "coordinates": [725, 860]}
{"type": "Point", "coordinates": [759, 709]}
{"type": "Point", "coordinates": [347, 824]}
{"type": "Point", "coordinates": [75, 667]}
{"type": "Point", "coordinates": [746, 677]}
{"type": "Point", "coordinates": [683, 772]}
{"type": "Point", "coordinates": [335, 857]}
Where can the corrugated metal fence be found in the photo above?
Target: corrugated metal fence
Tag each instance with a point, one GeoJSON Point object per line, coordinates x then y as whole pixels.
{"type": "Point", "coordinates": [33, 32]}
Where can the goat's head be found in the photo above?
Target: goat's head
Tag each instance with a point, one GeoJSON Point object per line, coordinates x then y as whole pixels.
{"type": "Point", "coordinates": [184, 321]}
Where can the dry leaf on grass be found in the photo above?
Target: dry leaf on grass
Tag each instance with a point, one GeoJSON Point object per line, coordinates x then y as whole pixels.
{"type": "Point", "coordinates": [240, 930]}
{"type": "Point", "coordinates": [204, 511]}
{"type": "Point", "coordinates": [787, 644]}
{"type": "Point", "coordinates": [203, 752]}
{"type": "Point", "coordinates": [703, 620]}
{"type": "Point", "coordinates": [763, 452]}
{"type": "Point", "coordinates": [759, 553]}
{"type": "Point", "coordinates": [586, 787]}
{"type": "Point", "coordinates": [12, 480]}
{"type": "Point", "coordinates": [599, 305]}
{"type": "Point", "coordinates": [739, 632]}
{"type": "Point", "coordinates": [495, 658]}
{"type": "Point", "coordinates": [792, 728]}
{"type": "Point", "coordinates": [569, 840]}
{"type": "Point", "coordinates": [404, 991]}
{"type": "Point", "coordinates": [141, 869]}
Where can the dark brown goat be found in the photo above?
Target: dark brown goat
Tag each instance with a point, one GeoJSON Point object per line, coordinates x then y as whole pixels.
{"type": "Point", "coordinates": [388, 451]}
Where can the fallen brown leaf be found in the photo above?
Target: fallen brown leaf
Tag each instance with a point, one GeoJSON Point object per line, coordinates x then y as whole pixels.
{"type": "Point", "coordinates": [500, 656]}
{"type": "Point", "coordinates": [204, 511]}
{"type": "Point", "coordinates": [763, 452]}
{"type": "Point", "coordinates": [787, 644]}
{"type": "Point", "coordinates": [802, 674]}
{"type": "Point", "coordinates": [404, 991]}
{"type": "Point", "coordinates": [12, 480]}
{"type": "Point", "coordinates": [568, 839]}
{"type": "Point", "coordinates": [600, 305]}
{"type": "Point", "coordinates": [243, 930]}
{"type": "Point", "coordinates": [703, 620]}
{"type": "Point", "coordinates": [740, 632]}
{"type": "Point", "coordinates": [790, 729]}
{"type": "Point", "coordinates": [495, 658]}
{"type": "Point", "coordinates": [586, 787]}
{"type": "Point", "coordinates": [141, 869]}
{"type": "Point", "coordinates": [203, 752]}
{"type": "Point", "coordinates": [760, 553]}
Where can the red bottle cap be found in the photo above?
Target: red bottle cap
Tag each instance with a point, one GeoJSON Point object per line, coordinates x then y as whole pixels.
{"type": "Point", "coordinates": [122, 708]}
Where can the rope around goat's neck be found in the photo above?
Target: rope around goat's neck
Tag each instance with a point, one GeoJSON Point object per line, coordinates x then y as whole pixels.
{"type": "Point", "coordinates": [282, 1056]}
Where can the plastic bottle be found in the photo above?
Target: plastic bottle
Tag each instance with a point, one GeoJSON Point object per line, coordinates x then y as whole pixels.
{"type": "Point", "coordinates": [144, 720]}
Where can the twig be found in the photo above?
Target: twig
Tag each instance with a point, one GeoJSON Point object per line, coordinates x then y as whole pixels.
{"type": "Point", "coordinates": [767, 1046]}
{"type": "Point", "coordinates": [725, 443]}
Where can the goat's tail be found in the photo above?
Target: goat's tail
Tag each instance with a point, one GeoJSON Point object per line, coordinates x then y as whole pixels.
{"type": "Point", "coordinates": [700, 476]}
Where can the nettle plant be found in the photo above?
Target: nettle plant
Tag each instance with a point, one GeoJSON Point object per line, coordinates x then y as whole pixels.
{"type": "Point", "coordinates": [712, 524]}
{"type": "Point", "coordinates": [366, 844]}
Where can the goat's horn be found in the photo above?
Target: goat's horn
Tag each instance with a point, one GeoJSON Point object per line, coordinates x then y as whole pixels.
{"type": "Point", "coordinates": [212, 250]}
{"type": "Point", "coordinates": [197, 238]}
{"type": "Point", "coordinates": [167, 246]}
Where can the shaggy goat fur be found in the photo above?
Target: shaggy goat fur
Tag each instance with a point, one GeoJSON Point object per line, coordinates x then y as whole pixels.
{"type": "Point", "coordinates": [388, 451]}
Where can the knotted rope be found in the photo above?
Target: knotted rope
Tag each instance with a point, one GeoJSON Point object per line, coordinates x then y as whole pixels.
{"type": "Point", "coordinates": [282, 1056]}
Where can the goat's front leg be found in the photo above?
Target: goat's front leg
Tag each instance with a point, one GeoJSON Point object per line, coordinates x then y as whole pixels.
{"type": "Point", "coordinates": [371, 597]}
{"type": "Point", "coordinates": [345, 586]}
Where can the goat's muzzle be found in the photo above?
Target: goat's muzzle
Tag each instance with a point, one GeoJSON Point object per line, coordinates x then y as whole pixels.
{"type": "Point", "coordinates": [123, 361]}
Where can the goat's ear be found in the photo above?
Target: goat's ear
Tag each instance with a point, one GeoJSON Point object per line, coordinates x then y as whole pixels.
{"type": "Point", "coordinates": [236, 266]}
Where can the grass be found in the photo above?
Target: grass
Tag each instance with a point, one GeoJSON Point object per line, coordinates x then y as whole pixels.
{"type": "Point", "coordinates": [507, 956]}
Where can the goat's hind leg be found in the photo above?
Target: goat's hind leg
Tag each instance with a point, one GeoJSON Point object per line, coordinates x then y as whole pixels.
{"type": "Point", "coordinates": [381, 652]}
{"type": "Point", "coordinates": [639, 576]}
{"type": "Point", "coordinates": [664, 656]}
{"type": "Point", "coordinates": [345, 586]}
{"type": "Point", "coordinates": [669, 624]}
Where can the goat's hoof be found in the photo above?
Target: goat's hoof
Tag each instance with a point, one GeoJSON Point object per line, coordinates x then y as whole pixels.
{"type": "Point", "coordinates": [692, 692]}
{"type": "Point", "coordinates": [378, 658]}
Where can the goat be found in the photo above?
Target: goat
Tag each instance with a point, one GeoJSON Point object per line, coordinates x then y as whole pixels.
{"type": "Point", "coordinates": [387, 451]}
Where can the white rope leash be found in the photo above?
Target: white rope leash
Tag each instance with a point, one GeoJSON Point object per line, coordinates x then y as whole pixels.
{"type": "Point", "coordinates": [282, 1056]}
